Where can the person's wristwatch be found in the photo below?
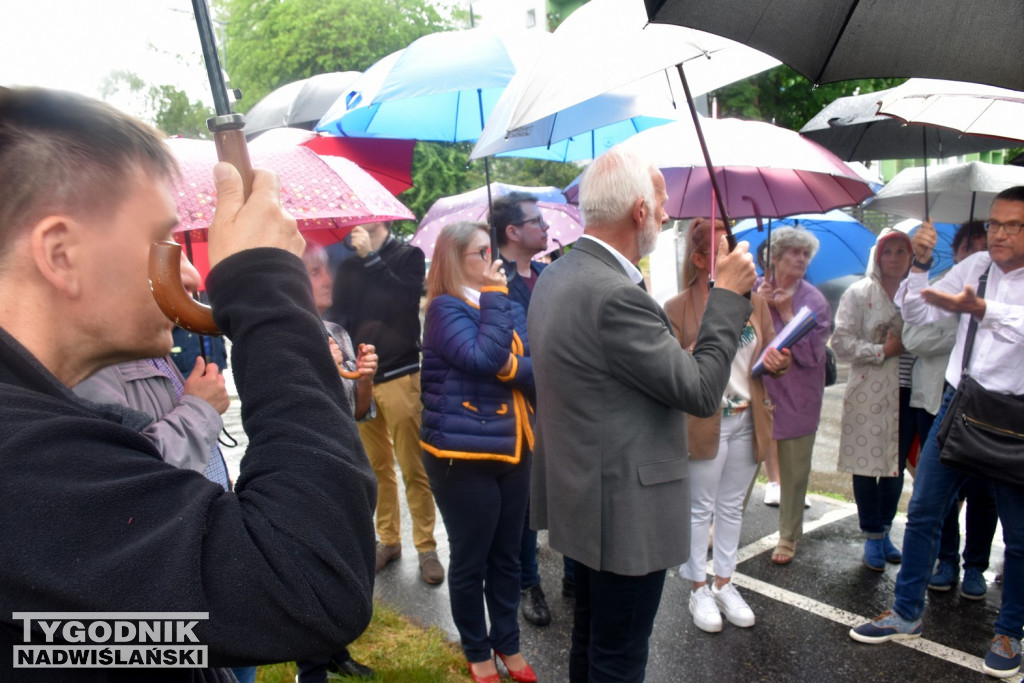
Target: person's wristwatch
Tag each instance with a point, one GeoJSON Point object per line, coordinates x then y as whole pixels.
{"type": "Point", "coordinates": [927, 265]}
{"type": "Point", "coordinates": [369, 255]}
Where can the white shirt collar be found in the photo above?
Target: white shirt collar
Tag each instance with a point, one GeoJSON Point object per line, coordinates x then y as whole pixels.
{"type": "Point", "coordinates": [471, 295]}
{"type": "Point", "coordinates": [632, 271]}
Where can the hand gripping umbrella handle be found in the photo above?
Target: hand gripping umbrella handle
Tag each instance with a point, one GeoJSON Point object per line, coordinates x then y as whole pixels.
{"type": "Point", "coordinates": [165, 257]}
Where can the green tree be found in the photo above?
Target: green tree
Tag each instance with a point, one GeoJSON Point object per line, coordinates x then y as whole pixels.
{"type": "Point", "coordinates": [273, 42]}
{"type": "Point", "coordinates": [784, 97]}
{"type": "Point", "coordinates": [164, 106]}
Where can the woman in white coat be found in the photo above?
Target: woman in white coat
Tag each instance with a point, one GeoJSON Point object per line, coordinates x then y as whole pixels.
{"type": "Point", "coordinates": [868, 336]}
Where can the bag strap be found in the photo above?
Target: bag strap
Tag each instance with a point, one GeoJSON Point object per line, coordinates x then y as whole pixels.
{"type": "Point", "coordinates": [972, 326]}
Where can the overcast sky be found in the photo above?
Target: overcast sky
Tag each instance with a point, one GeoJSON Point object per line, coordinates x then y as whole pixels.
{"type": "Point", "coordinates": [74, 44]}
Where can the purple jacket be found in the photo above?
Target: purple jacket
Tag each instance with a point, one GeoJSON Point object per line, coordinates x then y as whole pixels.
{"type": "Point", "coordinates": [797, 394]}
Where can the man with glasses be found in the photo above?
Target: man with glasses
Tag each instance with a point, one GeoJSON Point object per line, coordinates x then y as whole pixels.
{"type": "Point", "coordinates": [522, 234]}
{"type": "Point", "coordinates": [997, 363]}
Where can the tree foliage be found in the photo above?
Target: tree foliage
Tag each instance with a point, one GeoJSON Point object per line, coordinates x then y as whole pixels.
{"type": "Point", "coordinates": [784, 97]}
{"type": "Point", "coordinates": [164, 106]}
{"type": "Point", "coordinates": [273, 42]}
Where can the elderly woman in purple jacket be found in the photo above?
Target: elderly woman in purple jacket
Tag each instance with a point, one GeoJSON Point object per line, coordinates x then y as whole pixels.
{"type": "Point", "coordinates": [797, 395]}
{"type": "Point", "coordinates": [477, 438]}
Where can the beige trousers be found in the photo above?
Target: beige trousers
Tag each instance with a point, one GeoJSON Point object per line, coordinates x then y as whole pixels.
{"type": "Point", "coordinates": [396, 432]}
{"type": "Point", "coordinates": [794, 474]}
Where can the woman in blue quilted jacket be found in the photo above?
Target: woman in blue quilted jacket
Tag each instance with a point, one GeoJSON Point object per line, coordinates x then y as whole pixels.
{"type": "Point", "coordinates": [477, 437]}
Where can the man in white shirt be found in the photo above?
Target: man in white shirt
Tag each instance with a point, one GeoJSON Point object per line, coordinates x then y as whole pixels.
{"type": "Point", "coordinates": [997, 363]}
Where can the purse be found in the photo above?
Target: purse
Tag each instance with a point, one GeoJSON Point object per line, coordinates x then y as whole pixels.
{"type": "Point", "coordinates": [983, 431]}
{"type": "Point", "coordinates": [831, 371]}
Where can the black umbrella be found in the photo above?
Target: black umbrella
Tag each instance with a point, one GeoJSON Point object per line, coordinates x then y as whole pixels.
{"type": "Point", "coordinates": [300, 104]}
{"type": "Point", "coordinates": [851, 128]}
{"type": "Point", "coordinates": [838, 40]}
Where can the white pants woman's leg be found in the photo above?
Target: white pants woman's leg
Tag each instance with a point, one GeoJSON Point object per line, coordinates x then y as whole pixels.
{"type": "Point", "coordinates": [717, 489]}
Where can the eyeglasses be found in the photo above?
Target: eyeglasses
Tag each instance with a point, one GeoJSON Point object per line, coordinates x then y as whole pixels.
{"type": "Point", "coordinates": [484, 253]}
{"type": "Point", "coordinates": [1011, 228]}
{"type": "Point", "coordinates": [539, 220]}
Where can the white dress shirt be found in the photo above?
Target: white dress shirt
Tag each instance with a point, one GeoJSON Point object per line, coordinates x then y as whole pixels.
{"type": "Point", "coordinates": [632, 271]}
{"type": "Point", "coordinates": [997, 361]}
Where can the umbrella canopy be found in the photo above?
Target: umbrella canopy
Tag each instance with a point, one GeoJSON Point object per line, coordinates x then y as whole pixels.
{"type": "Point", "coordinates": [952, 190]}
{"type": "Point", "coordinates": [845, 242]}
{"type": "Point", "coordinates": [441, 87]}
{"type": "Point", "coordinates": [327, 195]}
{"type": "Point", "coordinates": [388, 161]}
{"type": "Point", "coordinates": [852, 128]}
{"type": "Point", "coordinates": [565, 224]}
{"type": "Point", "coordinates": [300, 104]}
{"type": "Point", "coordinates": [544, 105]}
{"type": "Point", "coordinates": [761, 170]}
{"type": "Point", "coordinates": [963, 107]}
{"type": "Point", "coordinates": [845, 39]}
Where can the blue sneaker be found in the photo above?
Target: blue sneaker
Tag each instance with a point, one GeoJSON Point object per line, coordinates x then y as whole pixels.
{"type": "Point", "coordinates": [973, 587]}
{"type": "Point", "coordinates": [944, 578]}
{"type": "Point", "coordinates": [1003, 658]}
{"type": "Point", "coordinates": [892, 553]}
{"type": "Point", "coordinates": [885, 627]}
{"type": "Point", "coordinates": [874, 555]}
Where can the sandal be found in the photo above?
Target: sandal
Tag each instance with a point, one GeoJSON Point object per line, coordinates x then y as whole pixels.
{"type": "Point", "coordinates": [784, 551]}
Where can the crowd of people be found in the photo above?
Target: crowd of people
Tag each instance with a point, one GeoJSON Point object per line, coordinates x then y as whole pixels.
{"type": "Point", "coordinates": [559, 398]}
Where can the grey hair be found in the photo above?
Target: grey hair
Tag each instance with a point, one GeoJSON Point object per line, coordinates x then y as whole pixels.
{"type": "Point", "coordinates": [611, 184]}
{"type": "Point", "coordinates": [314, 255]}
{"type": "Point", "coordinates": [784, 239]}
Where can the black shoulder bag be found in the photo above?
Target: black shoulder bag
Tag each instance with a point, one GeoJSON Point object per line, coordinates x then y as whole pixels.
{"type": "Point", "coordinates": [983, 431]}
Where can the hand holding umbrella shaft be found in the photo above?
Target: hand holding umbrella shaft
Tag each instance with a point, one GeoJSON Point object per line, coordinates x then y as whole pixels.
{"type": "Point", "coordinates": [923, 241]}
{"type": "Point", "coordinates": [734, 269]}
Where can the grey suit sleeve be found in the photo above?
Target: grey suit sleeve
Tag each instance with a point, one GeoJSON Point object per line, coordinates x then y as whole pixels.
{"type": "Point", "coordinates": [644, 354]}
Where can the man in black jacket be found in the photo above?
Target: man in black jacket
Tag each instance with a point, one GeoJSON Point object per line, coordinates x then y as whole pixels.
{"type": "Point", "coordinates": [93, 520]}
{"type": "Point", "coordinates": [377, 299]}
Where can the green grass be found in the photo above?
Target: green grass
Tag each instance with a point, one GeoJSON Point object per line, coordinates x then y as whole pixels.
{"type": "Point", "coordinates": [399, 651]}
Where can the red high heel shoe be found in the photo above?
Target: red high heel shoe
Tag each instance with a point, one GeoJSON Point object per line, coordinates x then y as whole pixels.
{"type": "Point", "coordinates": [493, 678]}
{"type": "Point", "coordinates": [524, 675]}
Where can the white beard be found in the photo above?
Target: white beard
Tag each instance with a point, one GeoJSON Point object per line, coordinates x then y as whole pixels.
{"type": "Point", "coordinates": [647, 238]}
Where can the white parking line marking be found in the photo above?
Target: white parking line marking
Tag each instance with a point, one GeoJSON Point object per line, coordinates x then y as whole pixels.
{"type": "Point", "coordinates": [829, 612]}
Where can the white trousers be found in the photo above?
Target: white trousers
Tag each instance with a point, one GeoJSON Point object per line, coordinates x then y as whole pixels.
{"type": "Point", "coordinates": [717, 489]}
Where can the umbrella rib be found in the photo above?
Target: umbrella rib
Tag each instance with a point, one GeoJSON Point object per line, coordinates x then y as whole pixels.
{"type": "Point", "coordinates": [835, 43]}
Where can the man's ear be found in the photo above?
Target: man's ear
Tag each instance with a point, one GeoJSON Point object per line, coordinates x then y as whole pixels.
{"type": "Point", "coordinates": [511, 233]}
{"type": "Point", "coordinates": [639, 212]}
{"type": "Point", "coordinates": [55, 247]}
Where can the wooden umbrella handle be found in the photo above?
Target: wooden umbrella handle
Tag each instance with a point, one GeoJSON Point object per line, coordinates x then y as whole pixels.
{"type": "Point", "coordinates": [165, 257]}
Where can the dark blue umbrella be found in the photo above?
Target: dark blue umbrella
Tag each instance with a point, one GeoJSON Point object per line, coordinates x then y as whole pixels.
{"type": "Point", "coordinates": [845, 243]}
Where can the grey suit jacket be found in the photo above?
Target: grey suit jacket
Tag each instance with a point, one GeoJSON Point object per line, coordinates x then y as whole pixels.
{"type": "Point", "coordinates": [610, 470]}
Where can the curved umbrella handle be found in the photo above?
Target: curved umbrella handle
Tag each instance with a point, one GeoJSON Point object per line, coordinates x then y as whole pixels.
{"type": "Point", "coordinates": [170, 294]}
{"type": "Point", "coordinates": [164, 257]}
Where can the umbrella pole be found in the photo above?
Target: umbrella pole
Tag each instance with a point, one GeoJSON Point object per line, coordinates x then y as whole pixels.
{"type": "Point", "coordinates": [487, 179]}
{"type": "Point", "coordinates": [707, 157]}
{"type": "Point", "coordinates": [924, 149]}
{"type": "Point", "coordinates": [974, 195]}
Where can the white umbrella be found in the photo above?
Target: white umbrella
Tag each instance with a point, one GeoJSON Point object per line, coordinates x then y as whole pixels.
{"type": "Point", "coordinates": [626, 69]}
{"type": "Point", "coordinates": [955, 193]}
{"type": "Point", "coordinates": [969, 108]}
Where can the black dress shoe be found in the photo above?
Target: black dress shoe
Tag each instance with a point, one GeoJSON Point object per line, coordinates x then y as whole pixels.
{"type": "Point", "coordinates": [349, 668]}
{"type": "Point", "coordinates": [535, 607]}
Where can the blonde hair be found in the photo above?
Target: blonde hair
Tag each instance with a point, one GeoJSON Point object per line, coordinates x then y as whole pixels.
{"type": "Point", "coordinates": [697, 235]}
{"type": "Point", "coordinates": [446, 276]}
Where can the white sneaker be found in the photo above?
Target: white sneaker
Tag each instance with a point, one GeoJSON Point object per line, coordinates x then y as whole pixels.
{"type": "Point", "coordinates": [733, 606]}
{"type": "Point", "coordinates": [772, 491]}
{"type": "Point", "coordinates": [705, 614]}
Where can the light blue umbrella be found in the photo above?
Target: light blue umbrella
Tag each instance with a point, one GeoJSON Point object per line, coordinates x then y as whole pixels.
{"type": "Point", "coordinates": [845, 243]}
{"type": "Point", "coordinates": [442, 87]}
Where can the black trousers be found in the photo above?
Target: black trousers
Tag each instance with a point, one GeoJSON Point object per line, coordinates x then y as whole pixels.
{"type": "Point", "coordinates": [612, 623]}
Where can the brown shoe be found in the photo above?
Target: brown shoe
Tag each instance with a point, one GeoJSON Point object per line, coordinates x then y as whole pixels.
{"type": "Point", "coordinates": [387, 553]}
{"type": "Point", "coordinates": [430, 567]}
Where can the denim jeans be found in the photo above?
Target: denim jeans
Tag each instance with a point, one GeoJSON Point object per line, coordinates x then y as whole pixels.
{"type": "Point", "coordinates": [879, 497]}
{"type": "Point", "coordinates": [982, 516]}
{"type": "Point", "coordinates": [935, 487]}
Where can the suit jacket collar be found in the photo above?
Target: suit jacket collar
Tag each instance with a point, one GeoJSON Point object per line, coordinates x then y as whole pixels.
{"type": "Point", "coordinates": [608, 254]}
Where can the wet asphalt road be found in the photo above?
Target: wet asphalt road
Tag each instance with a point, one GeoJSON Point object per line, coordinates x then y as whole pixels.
{"type": "Point", "coordinates": [803, 610]}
